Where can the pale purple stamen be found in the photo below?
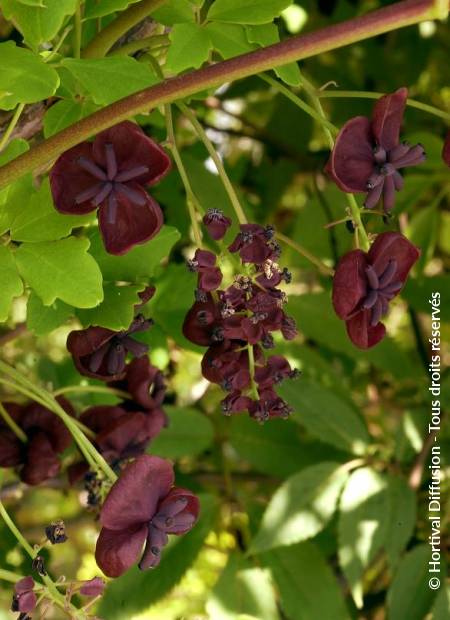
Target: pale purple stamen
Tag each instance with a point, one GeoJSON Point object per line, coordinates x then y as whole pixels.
{"type": "Point", "coordinates": [103, 194]}
{"type": "Point", "coordinates": [88, 193]}
{"type": "Point", "coordinates": [388, 273]}
{"type": "Point", "coordinates": [111, 162]}
{"type": "Point", "coordinates": [92, 168]}
{"type": "Point", "coordinates": [372, 277]}
{"type": "Point", "coordinates": [132, 173]}
{"type": "Point", "coordinates": [131, 194]}
{"type": "Point", "coordinates": [111, 213]}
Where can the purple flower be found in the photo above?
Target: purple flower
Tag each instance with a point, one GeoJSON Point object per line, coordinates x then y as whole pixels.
{"type": "Point", "coordinates": [110, 173]}
{"type": "Point", "coordinates": [255, 244]}
{"type": "Point", "coordinates": [367, 154]}
{"type": "Point", "coordinates": [142, 507]}
{"type": "Point", "coordinates": [101, 353]}
{"type": "Point", "coordinates": [365, 283]}
{"type": "Point", "coordinates": [47, 437]}
{"type": "Point", "coordinates": [209, 276]}
{"type": "Point", "coordinates": [144, 382]}
{"type": "Point", "coordinates": [216, 223]}
{"type": "Point", "coordinates": [24, 599]}
{"type": "Point", "coordinates": [93, 587]}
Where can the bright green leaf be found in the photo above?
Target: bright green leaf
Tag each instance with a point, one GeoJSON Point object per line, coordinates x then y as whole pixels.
{"type": "Point", "coordinates": [175, 12]}
{"type": "Point", "coordinates": [242, 589]}
{"type": "Point", "coordinates": [189, 433]}
{"type": "Point", "coordinates": [15, 148]}
{"type": "Point", "coordinates": [44, 319]}
{"type": "Point", "coordinates": [38, 24]}
{"type": "Point", "coordinates": [24, 76]}
{"type": "Point", "coordinates": [423, 232]}
{"type": "Point", "coordinates": [362, 525]}
{"type": "Point", "coordinates": [190, 46]}
{"type": "Point", "coordinates": [326, 416]}
{"type": "Point", "coordinates": [117, 308]}
{"type": "Point", "coordinates": [267, 34]}
{"type": "Point", "coordinates": [61, 269]}
{"type": "Point", "coordinates": [247, 11]}
{"type": "Point", "coordinates": [106, 7]}
{"type": "Point", "coordinates": [301, 507]}
{"type": "Point", "coordinates": [307, 586]}
{"type": "Point", "coordinates": [401, 518]}
{"type": "Point", "coordinates": [228, 39]}
{"type": "Point", "coordinates": [10, 283]}
{"type": "Point", "coordinates": [139, 263]}
{"type": "Point", "coordinates": [65, 113]}
{"type": "Point", "coordinates": [417, 292]}
{"type": "Point", "coordinates": [109, 79]}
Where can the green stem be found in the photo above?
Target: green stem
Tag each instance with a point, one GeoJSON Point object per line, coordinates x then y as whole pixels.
{"type": "Point", "coordinates": [320, 111]}
{"type": "Point", "coordinates": [149, 43]}
{"type": "Point", "coordinates": [12, 425]}
{"type": "Point", "coordinates": [360, 94]}
{"type": "Point", "coordinates": [7, 575]}
{"type": "Point", "coordinates": [77, 31]}
{"type": "Point", "coordinates": [103, 42]}
{"type": "Point", "coordinates": [327, 271]}
{"type": "Point", "coordinates": [217, 162]}
{"type": "Point", "coordinates": [95, 389]}
{"type": "Point", "coordinates": [12, 124]}
{"type": "Point", "coordinates": [251, 368]}
{"type": "Point", "coordinates": [191, 199]}
{"type": "Point", "coordinates": [299, 47]}
{"type": "Point", "coordinates": [281, 88]}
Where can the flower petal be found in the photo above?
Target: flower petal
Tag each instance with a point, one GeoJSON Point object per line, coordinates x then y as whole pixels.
{"type": "Point", "coordinates": [134, 223]}
{"type": "Point", "coordinates": [387, 118]}
{"type": "Point", "coordinates": [446, 150]}
{"type": "Point", "coordinates": [361, 333]}
{"type": "Point", "coordinates": [351, 161]}
{"type": "Point", "coordinates": [42, 462]}
{"type": "Point", "coordinates": [35, 416]}
{"type": "Point", "coordinates": [133, 149]}
{"type": "Point", "coordinates": [132, 500]}
{"type": "Point", "coordinates": [192, 508]}
{"type": "Point", "coordinates": [117, 551]}
{"type": "Point", "coordinates": [68, 180]}
{"type": "Point", "coordinates": [93, 587]}
{"type": "Point", "coordinates": [145, 383]}
{"type": "Point", "coordinates": [393, 246]}
{"type": "Point", "coordinates": [349, 283]}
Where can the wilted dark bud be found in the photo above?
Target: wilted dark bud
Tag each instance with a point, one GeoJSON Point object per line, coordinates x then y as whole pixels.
{"type": "Point", "coordinates": [56, 532]}
{"type": "Point", "coordinates": [38, 565]}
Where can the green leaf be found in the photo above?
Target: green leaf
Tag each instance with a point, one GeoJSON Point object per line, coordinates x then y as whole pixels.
{"type": "Point", "coordinates": [61, 269]}
{"type": "Point", "coordinates": [139, 263]}
{"type": "Point", "coordinates": [108, 79]}
{"type": "Point", "coordinates": [189, 433]}
{"type": "Point", "coordinates": [412, 577]}
{"type": "Point", "coordinates": [44, 319]}
{"type": "Point", "coordinates": [267, 34]}
{"type": "Point", "coordinates": [301, 507]}
{"type": "Point", "coordinates": [137, 590]}
{"type": "Point", "coordinates": [247, 11]}
{"type": "Point", "coordinates": [242, 589]}
{"type": "Point", "coordinates": [10, 283]}
{"type": "Point", "coordinates": [175, 12]}
{"type": "Point", "coordinates": [36, 218]}
{"type": "Point", "coordinates": [106, 7]}
{"type": "Point", "coordinates": [423, 232]}
{"type": "Point", "coordinates": [15, 148]}
{"type": "Point", "coordinates": [417, 293]}
{"type": "Point", "coordinates": [401, 518]}
{"type": "Point", "coordinates": [117, 308]}
{"type": "Point", "coordinates": [38, 24]}
{"type": "Point", "coordinates": [307, 586]}
{"type": "Point", "coordinates": [362, 525]}
{"type": "Point", "coordinates": [190, 46]}
{"type": "Point", "coordinates": [228, 39]}
{"type": "Point", "coordinates": [24, 77]}
{"type": "Point", "coordinates": [441, 607]}
{"type": "Point", "coordinates": [65, 113]}
{"type": "Point", "coordinates": [326, 416]}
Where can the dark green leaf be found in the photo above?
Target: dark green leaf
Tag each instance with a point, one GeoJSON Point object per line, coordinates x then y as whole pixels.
{"type": "Point", "coordinates": [423, 232]}
{"type": "Point", "coordinates": [401, 519]}
{"type": "Point", "coordinates": [189, 433]}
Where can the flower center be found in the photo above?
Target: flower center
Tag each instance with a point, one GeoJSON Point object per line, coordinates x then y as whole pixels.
{"type": "Point", "coordinates": [381, 289]}
{"type": "Point", "coordinates": [111, 183]}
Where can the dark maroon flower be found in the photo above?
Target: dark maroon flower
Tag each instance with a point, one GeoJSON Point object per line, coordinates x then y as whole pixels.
{"type": "Point", "coordinates": [101, 353]}
{"type": "Point", "coordinates": [365, 283]}
{"type": "Point", "coordinates": [274, 371]}
{"type": "Point", "coordinates": [203, 323]}
{"type": "Point", "coordinates": [209, 276]}
{"type": "Point", "coordinates": [367, 154]}
{"type": "Point", "coordinates": [144, 382]}
{"type": "Point", "coordinates": [254, 244]}
{"type": "Point", "coordinates": [216, 223]}
{"type": "Point", "coordinates": [269, 405]}
{"type": "Point", "coordinates": [110, 173]}
{"type": "Point", "coordinates": [24, 599]}
{"type": "Point", "coordinates": [56, 532]}
{"type": "Point", "coordinates": [47, 436]}
{"type": "Point", "coordinates": [142, 507]}
{"type": "Point", "coordinates": [446, 150]}
{"type": "Point", "coordinates": [145, 297]}
{"type": "Point", "coordinates": [93, 587]}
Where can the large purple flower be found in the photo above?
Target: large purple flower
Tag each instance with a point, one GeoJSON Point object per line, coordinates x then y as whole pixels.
{"type": "Point", "coordinates": [47, 437]}
{"type": "Point", "coordinates": [367, 154]}
{"type": "Point", "coordinates": [110, 173]}
{"type": "Point", "coordinates": [101, 353]}
{"type": "Point", "coordinates": [142, 507]}
{"type": "Point", "coordinates": [365, 283]}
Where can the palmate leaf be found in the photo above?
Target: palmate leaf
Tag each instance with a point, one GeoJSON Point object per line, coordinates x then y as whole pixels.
{"type": "Point", "coordinates": [117, 309]}
{"type": "Point", "coordinates": [106, 7]}
{"type": "Point", "coordinates": [190, 47]}
{"type": "Point", "coordinates": [137, 590]}
{"type": "Point", "coordinates": [10, 282]}
{"type": "Point", "coordinates": [247, 11]}
{"type": "Point", "coordinates": [44, 319]}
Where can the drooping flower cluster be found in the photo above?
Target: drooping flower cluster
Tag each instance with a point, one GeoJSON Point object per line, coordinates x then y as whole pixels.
{"type": "Point", "coordinates": [142, 507]}
{"type": "Point", "coordinates": [365, 283]}
{"type": "Point", "coordinates": [37, 458]}
{"type": "Point", "coordinates": [236, 324]}
{"type": "Point", "coordinates": [110, 174]}
{"type": "Point", "coordinates": [368, 154]}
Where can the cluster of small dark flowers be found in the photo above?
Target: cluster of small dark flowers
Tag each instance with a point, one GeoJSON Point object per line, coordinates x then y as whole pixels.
{"type": "Point", "coordinates": [236, 323]}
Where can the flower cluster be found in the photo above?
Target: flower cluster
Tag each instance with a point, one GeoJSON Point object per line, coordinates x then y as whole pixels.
{"type": "Point", "coordinates": [37, 458]}
{"type": "Point", "coordinates": [142, 507]}
{"type": "Point", "coordinates": [368, 154]}
{"type": "Point", "coordinates": [236, 323]}
{"type": "Point", "coordinates": [110, 174]}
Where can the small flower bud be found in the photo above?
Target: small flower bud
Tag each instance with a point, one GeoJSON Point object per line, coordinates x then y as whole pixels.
{"type": "Point", "coordinates": [56, 532]}
{"type": "Point", "coordinates": [38, 565]}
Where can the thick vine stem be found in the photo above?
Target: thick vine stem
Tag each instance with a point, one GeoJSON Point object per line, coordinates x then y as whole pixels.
{"type": "Point", "coordinates": [383, 20]}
